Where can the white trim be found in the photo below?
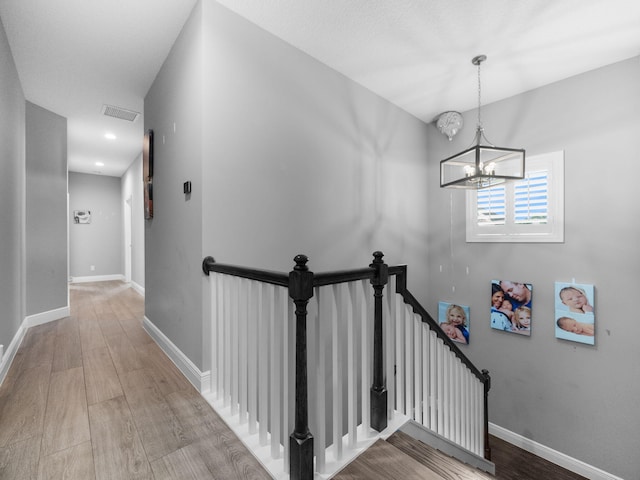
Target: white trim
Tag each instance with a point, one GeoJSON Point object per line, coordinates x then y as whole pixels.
{"type": "Point", "coordinates": [46, 317]}
{"type": "Point", "coordinates": [28, 322]}
{"type": "Point", "coordinates": [98, 278]}
{"type": "Point", "coordinates": [559, 458]}
{"type": "Point", "coordinates": [137, 287]}
{"type": "Point", "coordinates": [10, 352]}
{"type": "Point", "coordinates": [552, 232]}
{"type": "Point", "coordinates": [200, 380]}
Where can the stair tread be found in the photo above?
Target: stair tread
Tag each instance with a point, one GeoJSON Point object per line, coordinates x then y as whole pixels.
{"type": "Point", "coordinates": [445, 466]}
{"type": "Point", "coordinates": [383, 461]}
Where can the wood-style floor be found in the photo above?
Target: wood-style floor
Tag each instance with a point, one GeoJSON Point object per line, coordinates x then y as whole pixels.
{"type": "Point", "coordinates": [400, 457]}
{"type": "Point", "coordinates": [92, 397]}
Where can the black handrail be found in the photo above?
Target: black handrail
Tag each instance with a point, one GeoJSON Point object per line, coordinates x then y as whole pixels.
{"type": "Point", "coordinates": [409, 299]}
{"type": "Point", "coordinates": [275, 278]}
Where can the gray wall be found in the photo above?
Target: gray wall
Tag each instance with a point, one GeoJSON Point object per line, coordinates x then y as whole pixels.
{"type": "Point", "coordinates": [577, 399]}
{"type": "Point", "coordinates": [12, 194]}
{"type": "Point", "coordinates": [98, 243]}
{"type": "Point", "coordinates": [285, 156]}
{"type": "Point", "coordinates": [173, 238]}
{"type": "Point", "coordinates": [46, 210]}
{"type": "Point", "coordinates": [299, 159]}
{"type": "Point", "coordinates": [131, 186]}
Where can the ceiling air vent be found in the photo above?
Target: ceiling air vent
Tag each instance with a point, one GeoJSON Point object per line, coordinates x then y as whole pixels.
{"type": "Point", "coordinates": [121, 113]}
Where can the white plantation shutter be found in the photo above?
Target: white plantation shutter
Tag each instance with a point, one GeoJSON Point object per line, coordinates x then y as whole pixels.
{"type": "Point", "coordinates": [531, 197]}
{"type": "Point", "coordinates": [527, 210]}
{"type": "Point", "coordinates": [492, 205]}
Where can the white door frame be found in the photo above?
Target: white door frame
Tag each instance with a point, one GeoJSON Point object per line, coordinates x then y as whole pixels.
{"type": "Point", "coordinates": [127, 239]}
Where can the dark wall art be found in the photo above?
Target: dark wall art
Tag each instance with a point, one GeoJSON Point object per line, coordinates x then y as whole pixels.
{"type": "Point", "coordinates": [147, 173]}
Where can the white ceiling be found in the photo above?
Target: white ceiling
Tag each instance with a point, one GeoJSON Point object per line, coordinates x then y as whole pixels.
{"type": "Point", "coordinates": [73, 56]}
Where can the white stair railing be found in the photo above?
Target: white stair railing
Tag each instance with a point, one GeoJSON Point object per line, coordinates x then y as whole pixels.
{"type": "Point", "coordinates": [253, 371]}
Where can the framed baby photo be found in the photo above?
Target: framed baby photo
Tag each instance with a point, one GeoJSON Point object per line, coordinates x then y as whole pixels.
{"type": "Point", "coordinates": [511, 309]}
{"type": "Point", "coordinates": [574, 317]}
{"type": "Point", "coordinates": [454, 321]}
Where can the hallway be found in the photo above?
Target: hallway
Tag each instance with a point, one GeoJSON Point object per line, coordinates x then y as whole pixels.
{"type": "Point", "coordinates": [91, 396]}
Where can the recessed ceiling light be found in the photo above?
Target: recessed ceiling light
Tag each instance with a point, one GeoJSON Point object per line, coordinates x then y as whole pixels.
{"type": "Point", "coordinates": [99, 164]}
{"type": "Point", "coordinates": [110, 136]}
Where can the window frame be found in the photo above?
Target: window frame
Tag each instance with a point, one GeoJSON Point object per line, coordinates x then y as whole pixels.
{"type": "Point", "coordinates": [510, 232]}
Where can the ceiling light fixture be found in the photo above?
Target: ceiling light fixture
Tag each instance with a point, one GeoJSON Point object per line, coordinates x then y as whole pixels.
{"type": "Point", "coordinates": [449, 123]}
{"type": "Point", "coordinates": [481, 166]}
{"type": "Point", "coordinates": [99, 164]}
{"type": "Point", "coordinates": [110, 136]}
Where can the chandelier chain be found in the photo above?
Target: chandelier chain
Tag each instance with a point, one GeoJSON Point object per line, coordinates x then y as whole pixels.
{"type": "Point", "coordinates": [479, 97]}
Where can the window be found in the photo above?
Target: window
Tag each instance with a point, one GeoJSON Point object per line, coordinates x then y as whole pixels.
{"type": "Point", "coordinates": [527, 210]}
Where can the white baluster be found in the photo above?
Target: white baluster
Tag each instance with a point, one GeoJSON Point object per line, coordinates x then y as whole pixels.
{"type": "Point", "coordinates": [321, 410]}
{"type": "Point", "coordinates": [244, 349]}
{"type": "Point", "coordinates": [426, 354]}
{"type": "Point", "coordinates": [252, 354]}
{"type": "Point", "coordinates": [352, 311]}
{"type": "Point", "coordinates": [233, 351]}
{"type": "Point", "coordinates": [263, 365]}
{"type": "Point", "coordinates": [366, 345]}
{"type": "Point", "coordinates": [417, 378]}
{"type": "Point", "coordinates": [336, 370]}
{"type": "Point", "coordinates": [275, 350]}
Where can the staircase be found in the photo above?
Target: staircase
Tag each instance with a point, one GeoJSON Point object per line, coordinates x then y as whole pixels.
{"type": "Point", "coordinates": [401, 457]}
{"type": "Point", "coordinates": [311, 369]}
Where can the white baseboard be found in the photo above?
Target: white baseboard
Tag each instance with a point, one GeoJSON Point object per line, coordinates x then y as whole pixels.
{"type": "Point", "coordinates": [28, 322]}
{"type": "Point", "coordinates": [10, 352]}
{"type": "Point", "coordinates": [46, 317]}
{"type": "Point", "coordinates": [200, 380]}
{"type": "Point", "coordinates": [559, 458]}
{"type": "Point", "coordinates": [137, 288]}
{"type": "Point", "coordinates": [98, 278]}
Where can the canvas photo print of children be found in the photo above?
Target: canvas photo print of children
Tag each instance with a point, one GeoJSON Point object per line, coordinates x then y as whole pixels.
{"type": "Point", "coordinates": [454, 321]}
{"type": "Point", "coordinates": [511, 306]}
{"type": "Point", "coordinates": [575, 313]}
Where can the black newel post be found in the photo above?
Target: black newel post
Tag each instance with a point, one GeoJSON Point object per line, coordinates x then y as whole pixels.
{"type": "Point", "coordinates": [487, 387]}
{"type": "Point", "coordinates": [301, 440]}
{"type": "Point", "coordinates": [378, 390]}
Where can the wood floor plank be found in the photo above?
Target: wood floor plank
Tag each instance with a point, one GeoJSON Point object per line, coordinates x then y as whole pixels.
{"type": "Point", "coordinates": [20, 460]}
{"type": "Point", "coordinates": [23, 408]}
{"type": "Point", "coordinates": [40, 345]}
{"type": "Point", "coordinates": [382, 461]}
{"type": "Point", "coordinates": [117, 450]}
{"type": "Point", "coordinates": [75, 463]}
{"type": "Point", "coordinates": [164, 372]}
{"type": "Point", "coordinates": [67, 349]}
{"type": "Point", "coordinates": [513, 463]}
{"type": "Point", "coordinates": [137, 335]}
{"type": "Point", "coordinates": [195, 414]}
{"type": "Point", "coordinates": [124, 355]}
{"type": "Point", "coordinates": [160, 430]}
{"type": "Point", "coordinates": [109, 324]}
{"type": "Point", "coordinates": [90, 332]}
{"type": "Point", "coordinates": [185, 464]}
{"type": "Point", "coordinates": [66, 421]}
{"type": "Point", "coordinates": [218, 447]}
{"type": "Point", "coordinates": [101, 379]}
{"type": "Point", "coordinates": [447, 467]}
